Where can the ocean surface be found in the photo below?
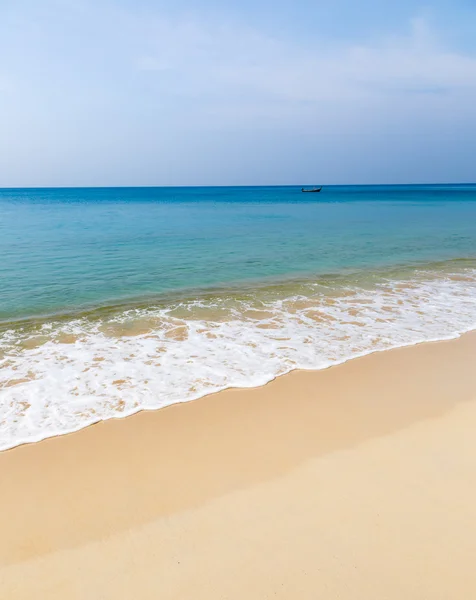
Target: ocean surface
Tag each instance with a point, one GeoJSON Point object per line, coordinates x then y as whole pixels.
{"type": "Point", "coordinates": [114, 300]}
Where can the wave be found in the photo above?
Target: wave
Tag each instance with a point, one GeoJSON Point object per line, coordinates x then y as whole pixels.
{"type": "Point", "coordinates": [60, 375]}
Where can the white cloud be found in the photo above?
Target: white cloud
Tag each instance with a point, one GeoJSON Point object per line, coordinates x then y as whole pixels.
{"type": "Point", "coordinates": [101, 45]}
{"type": "Point", "coordinates": [225, 57]}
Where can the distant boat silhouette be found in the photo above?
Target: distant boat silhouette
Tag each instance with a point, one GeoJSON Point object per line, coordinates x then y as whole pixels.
{"type": "Point", "coordinates": [312, 190]}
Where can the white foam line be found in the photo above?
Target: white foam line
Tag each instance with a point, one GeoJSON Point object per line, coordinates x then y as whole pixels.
{"type": "Point", "coordinates": [70, 386]}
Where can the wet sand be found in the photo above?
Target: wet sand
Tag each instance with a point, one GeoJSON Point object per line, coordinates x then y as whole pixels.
{"type": "Point", "coordinates": [355, 482]}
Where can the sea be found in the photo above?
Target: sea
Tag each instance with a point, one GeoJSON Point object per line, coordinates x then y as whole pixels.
{"type": "Point", "coordinates": [116, 300]}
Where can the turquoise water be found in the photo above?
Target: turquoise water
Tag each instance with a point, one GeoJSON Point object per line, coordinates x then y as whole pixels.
{"type": "Point", "coordinates": [63, 249]}
{"type": "Point", "coordinates": [116, 300]}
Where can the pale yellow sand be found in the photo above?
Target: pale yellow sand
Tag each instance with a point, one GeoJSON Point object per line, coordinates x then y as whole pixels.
{"type": "Point", "coordinates": [358, 482]}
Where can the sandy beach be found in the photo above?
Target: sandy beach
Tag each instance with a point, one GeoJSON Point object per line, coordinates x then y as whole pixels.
{"type": "Point", "coordinates": [356, 482]}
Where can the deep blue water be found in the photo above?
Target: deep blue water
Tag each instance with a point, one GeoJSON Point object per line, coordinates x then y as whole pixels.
{"type": "Point", "coordinates": [64, 249]}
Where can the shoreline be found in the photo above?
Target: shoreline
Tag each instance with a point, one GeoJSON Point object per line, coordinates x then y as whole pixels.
{"type": "Point", "coordinates": [38, 440]}
{"type": "Point", "coordinates": [162, 502]}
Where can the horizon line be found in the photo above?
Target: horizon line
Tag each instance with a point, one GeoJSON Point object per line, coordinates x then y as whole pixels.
{"type": "Point", "coordinates": [289, 185]}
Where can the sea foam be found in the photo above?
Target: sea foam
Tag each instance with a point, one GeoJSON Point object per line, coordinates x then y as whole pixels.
{"type": "Point", "coordinates": [62, 375]}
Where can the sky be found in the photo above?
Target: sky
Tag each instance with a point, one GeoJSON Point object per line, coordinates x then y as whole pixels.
{"type": "Point", "coordinates": [248, 92]}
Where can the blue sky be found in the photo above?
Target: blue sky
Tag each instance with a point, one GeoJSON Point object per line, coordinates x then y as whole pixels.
{"type": "Point", "coordinates": [96, 92]}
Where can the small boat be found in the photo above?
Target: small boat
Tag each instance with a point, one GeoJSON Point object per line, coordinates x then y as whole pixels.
{"type": "Point", "coordinates": [312, 190]}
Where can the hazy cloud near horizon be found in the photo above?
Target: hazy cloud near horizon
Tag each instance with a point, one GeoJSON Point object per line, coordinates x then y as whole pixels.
{"type": "Point", "coordinates": [186, 93]}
